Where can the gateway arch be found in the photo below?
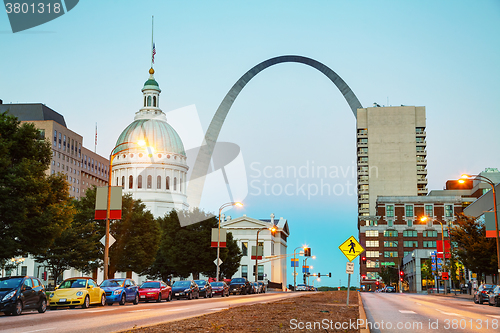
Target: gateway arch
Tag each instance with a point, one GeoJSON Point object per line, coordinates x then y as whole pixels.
{"type": "Point", "coordinates": [201, 166]}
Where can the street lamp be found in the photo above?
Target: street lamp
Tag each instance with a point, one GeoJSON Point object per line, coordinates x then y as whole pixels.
{"type": "Point", "coordinates": [272, 229]}
{"type": "Point", "coordinates": [110, 171]}
{"type": "Point", "coordinates": [238, 204]}
{"type": "Point", "coordinates": [423, 219]}
{"type": "Point", "coordinates": [294, 270]}
{"type": "Point", "coordinates": [495, 209]}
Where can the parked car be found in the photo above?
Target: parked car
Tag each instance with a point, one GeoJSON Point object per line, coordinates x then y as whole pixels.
{"type": "Point", "coordinates": [185, 289]}
{"type": "Point", "coordinates": [121, 291]}
{"type": "Point", "coordinates": [494, 296]}
{"type": "Point", "coordinates": [21, 292]}
{"type": "Point", "coordinates": [240, 286]}
{"type": "Point", "coordinates": [262, 287]}
{"type": "Point", "coordinates": [482, 293]}
{"type": "Point", "coordinates": [220, 288]}
{"type": "Point", "coordinates": [77, 291]}
{"type": "Point", "coordinates": [155, 291]}
{"type": "Point", "coordinates": [301, 287]}
{"type": "Point", "coordinates": [205, 288]}
{"type": "Point", "coordinates": [390, 289]}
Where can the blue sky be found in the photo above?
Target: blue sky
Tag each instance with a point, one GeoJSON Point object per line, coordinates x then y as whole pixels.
{"type": "Point", "coordinates": [91, 63]}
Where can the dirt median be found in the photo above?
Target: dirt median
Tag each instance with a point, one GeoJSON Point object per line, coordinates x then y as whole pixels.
{"type": "Point", "coordinates": [311, 312]}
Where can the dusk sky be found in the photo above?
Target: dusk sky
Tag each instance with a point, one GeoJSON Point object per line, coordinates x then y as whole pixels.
{"type": "Point", "coordinates": [91, 63]}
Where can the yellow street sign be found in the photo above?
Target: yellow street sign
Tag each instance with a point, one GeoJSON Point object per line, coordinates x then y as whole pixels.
{"type": "Point", "coordinates": [351, 248]}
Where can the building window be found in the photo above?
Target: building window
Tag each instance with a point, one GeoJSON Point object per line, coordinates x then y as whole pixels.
{"type": "Point", "coordinates": [390, 254]}
{"type": "Point", "coordinates": [372, 243]}
{"type": "Point", "coordinates": [180, 184]}
{"type": "Point", "coordinates": [60, 135]}
{"type": "Point", "coordinates": [371, 233]}
{"type": "Point", "coordinates": [410, 243]}
{"type": "Point", "coordinates": [144, 100]}
{"type": "Point", "coordinates": [430, 233]}
{"type": "Point", "coordinates": [55, 138]}
{"type": "Point", "coordinates": [390, 223]}
{"type": "Point", "coordinates": [390, 233]}
{"type": "Point", "coordinates": [429, 210]}
{"type": "Point", "coordinates": [244, 248]}
{"type": "Point", "coordinates": [168, 183]}
{"type": "Point", "coordinates": [372, 223]}
{"type": "Point", "coordinates": [431, 244]}
{"type": "Point", "coordinates": [372, 275]}
{"type": "Point", "coordinates": [175, 183]}
{"type": "Point", "coordinates": [372, 264]}
{"type": "Point", "coordinates": [154, 101]}
{"type": "Point", "coordinates": [448, 210]}
{"type": "Point", "coordinates": [150, 181]}
{"type": "Point", "coordinates": [139, 181]}
{"type": "Point", "coordinates": [362, 131]}
{"type": "Point", "coordinates": [389, 210]}
{"type": "Point", "coordinates": [244, 271]}
{"type": "Point", "coordinates": [390, 243]}
{"type": "Point", "coordinates": [409, 210]}
{"type": "Point", "coordinates": [406, 253]}
{"type": "Point", "coordinates": [410, 233]}
{"type": "Point", "coordinates": [149, 100]}
{"type": "Point", "coordinates": [372, 254]}
{"type": "Point", "coordinates": [260, 272]}
{"type": "Point", "coordinates": [409, 223]}
{"type": "Point", "coordinates": [419, 130]}
{"type": "Point", "coordinates": [158, 182]}
{"type": "Point", "coordinates": [123, 182]}
{"type": "Point", "coordinates": [131, 182]}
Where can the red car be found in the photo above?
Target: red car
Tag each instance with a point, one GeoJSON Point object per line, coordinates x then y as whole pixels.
{"type": "Point", "coordinates": [220, 288]}
{"type": "Point", "coordinates": [155, 291]}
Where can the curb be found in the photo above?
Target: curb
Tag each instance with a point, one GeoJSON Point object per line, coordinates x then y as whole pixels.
{"type": "Point", "coordinates": [362, 315]}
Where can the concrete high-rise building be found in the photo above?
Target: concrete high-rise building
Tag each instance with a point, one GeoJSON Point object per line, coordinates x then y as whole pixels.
{"type": "Point", "coordinates": [391, 155]}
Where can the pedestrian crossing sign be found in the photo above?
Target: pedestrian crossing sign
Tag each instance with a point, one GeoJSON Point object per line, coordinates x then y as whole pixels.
{"type": "Point", "coordinates": [351, 248]}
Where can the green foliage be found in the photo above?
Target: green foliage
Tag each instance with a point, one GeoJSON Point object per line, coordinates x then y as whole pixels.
{"type": "Point", "coordinates": [187, 250]}
{"type": "Point", "coordinates": [474, 250]}
{"type": "Point", "coordinates": [78, 245]}
{"type": "Point", "coordinates": [33, 207]}
{"type": "Point", "coordinates": [389, 274]}
{"type": "Point", "coordinates": [137, 238]}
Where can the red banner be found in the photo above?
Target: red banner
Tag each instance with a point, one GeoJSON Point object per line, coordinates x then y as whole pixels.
{"type": "Point", "coordinates": [221, 244]}
{"type": "Point", "coordinates": [113, 215]}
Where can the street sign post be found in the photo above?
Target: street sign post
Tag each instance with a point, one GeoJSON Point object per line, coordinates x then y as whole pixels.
{"type": "Point", "coordinates": [351, 249]}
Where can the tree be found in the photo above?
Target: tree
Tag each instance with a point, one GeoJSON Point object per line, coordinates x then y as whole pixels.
{"type": "Point", "coordinates": [187, 250]}
{"type": "Point", "coordinates": [474, 250]}
{"type": "Point", "coordinates": [137, 238]}
{"type": "Point", "coordinates": [389, 274]}
{"type": "Point", "coordinates": [426, 271]}
{"type": "Point", "coordinates": [78, 245]}
{"type": "Point", "coordinates": [32, 209]}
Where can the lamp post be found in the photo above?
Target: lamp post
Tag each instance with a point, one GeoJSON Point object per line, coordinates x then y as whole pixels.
{"type": "Point", "coordinates": [305, 265]}
{"type": "Point", "coordinates": [111, 157]}
{"type": "Point", "coordinates": [423, 219]}
{"type": "Point", "coordinates": [236, 203]}
{"type": "Point", "coordinates": [495, 209]}
{"type": "Point", "coordinates": [294, 267]}
{"type": "Point", "coordinates": [272, 229]}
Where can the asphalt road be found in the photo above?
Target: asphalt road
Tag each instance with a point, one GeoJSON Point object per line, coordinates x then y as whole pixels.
{"type": "Point", "coordinates": [391, 312]}
{"type": "Point", "coordinates": [116, 318]}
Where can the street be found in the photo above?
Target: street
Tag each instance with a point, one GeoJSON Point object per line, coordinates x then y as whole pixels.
{"type": "Point", "coordinates": [394, 312]}
{"type": "Point", "coordinates": [117, 318]}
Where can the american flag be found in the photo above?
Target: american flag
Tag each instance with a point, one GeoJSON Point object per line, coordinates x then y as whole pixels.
{"type": "Point", "coordinates": [154, 52]}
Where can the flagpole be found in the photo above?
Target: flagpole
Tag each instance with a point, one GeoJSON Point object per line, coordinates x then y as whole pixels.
{"type": "Point", "coordinates": [152, 43]}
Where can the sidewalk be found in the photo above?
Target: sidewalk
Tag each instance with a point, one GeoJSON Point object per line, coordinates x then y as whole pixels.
{"type": "Point", "coordinates": [458, 295]}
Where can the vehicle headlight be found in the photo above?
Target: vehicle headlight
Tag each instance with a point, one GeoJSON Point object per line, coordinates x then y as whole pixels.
{"type": "Point", "coordinates": [186, 290]}
{"type": "Point", "coordinates": [51, 295]}
{"type": "Point", "coordinates": [117, 292]}
{"type": "Point", "coordinates": [80, 293]}
{"type": "Point", "coordinates": [9, 295]}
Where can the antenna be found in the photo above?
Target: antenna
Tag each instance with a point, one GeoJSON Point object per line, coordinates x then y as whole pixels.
{"type": "Point", "coordinates": [153, 51]}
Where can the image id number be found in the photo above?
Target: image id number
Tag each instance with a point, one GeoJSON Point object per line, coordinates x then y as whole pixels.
{"type": "Point", "coordinates": [24, 8]}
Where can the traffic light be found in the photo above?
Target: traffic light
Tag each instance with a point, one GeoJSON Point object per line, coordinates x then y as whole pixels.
{"type": "Point", "coordinates": [401, 276]}
{"type": "Point", "coordinates": [329, 274]}
{"type": "Point", "coordinates": [307, 251]}
{"type": "Point", "coordinates": [363, 260]}
{"type": "Point", "coordinates": [377, 283]}
{"type": "Point", "coordinates": [363, 277]}
{"type": "Point", "coordinates": [319, 274]}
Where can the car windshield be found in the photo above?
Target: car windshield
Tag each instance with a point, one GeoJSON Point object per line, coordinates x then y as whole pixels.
{"type": "Point", "coordinates": [216, 284]}
{"type": "Point", "coordinates": [182, 284]}
{"type": "Point", "coordinates": [10, 283]}
{"type": "Point", "coordinates": [76, 283]}
{"type": "Point", "coordinates": [112, 283]}
{"type": "Point", "coordinates": [150, 285]}
{"type": "Point", "coordinates": [238, 280]}
{"type": "Point", "coordinates": [200, 282]}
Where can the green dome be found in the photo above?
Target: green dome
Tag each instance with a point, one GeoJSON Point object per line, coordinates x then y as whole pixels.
{"type": "Point", "coordinates": [151, 83]}
{"type": "Point", "coordinates": [157, 134]}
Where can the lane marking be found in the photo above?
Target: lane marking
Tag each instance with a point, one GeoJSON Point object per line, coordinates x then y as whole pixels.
{"type": "Point", "coordinates": [406, 311]}
{"type": "Point", "coordinates": [103, 310]}
{"type": "Point", "coordinates": [217, 309]}
{"type": "Point", "coordinates": [448, 313]}
{"type": "Point", "coordinates": [43, 329]}
{"type": "Point", "coordinates": [142, 310]}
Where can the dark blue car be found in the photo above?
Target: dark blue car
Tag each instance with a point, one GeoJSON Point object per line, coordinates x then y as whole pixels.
{"type": "Point", "coordinates": [121, 291]}
{"type": "Point", "coordinates": [185, 289]}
